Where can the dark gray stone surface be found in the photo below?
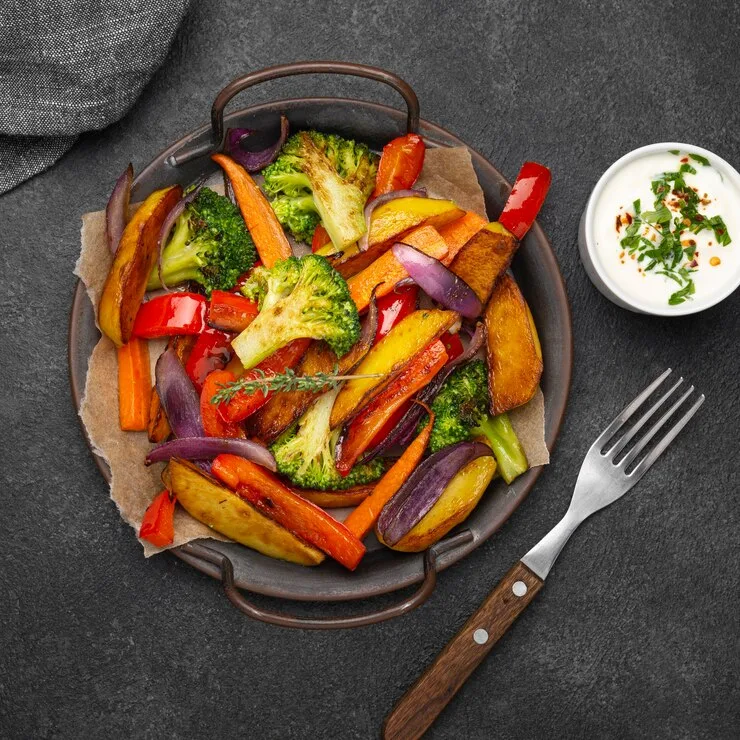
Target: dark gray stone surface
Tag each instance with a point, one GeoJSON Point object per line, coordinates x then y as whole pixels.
{"type": "Point", "coordinates": [636, 633]}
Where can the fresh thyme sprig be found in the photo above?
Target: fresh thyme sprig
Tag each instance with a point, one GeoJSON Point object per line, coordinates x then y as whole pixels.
{"type": "Point", "coordinates": [285, 381]}
{"type": "Point", "coordinates": [668, 252]}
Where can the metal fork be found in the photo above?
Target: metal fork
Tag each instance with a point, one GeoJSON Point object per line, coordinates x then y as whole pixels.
{"type": "Point", "coordinates": [606, 475]}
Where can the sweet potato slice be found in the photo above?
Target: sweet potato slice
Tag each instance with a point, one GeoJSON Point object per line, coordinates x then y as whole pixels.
{"type": "Point", "coordinates": [514, 357]}
{"type": "Point", "coordinates": [485, 257]}
{"type": "Point", "coordinates": [226, 512]}
{"type": "Point", "coordinates": [388, 357]}
{"type": "Point", "coordinates": [459, 498]}
{"type": "Point", "coordinates": [386, 271]}
{"type": "Point", "coordinates": [457, 233]}
{"type": "Point", "coordinates": [136, 254]}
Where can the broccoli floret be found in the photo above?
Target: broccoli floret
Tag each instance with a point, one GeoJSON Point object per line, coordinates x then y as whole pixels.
{"type": "Point", "coordinates": [329, 177]}
{"type": "Point", "coordinates": [209, 244]}
{"type": "Point", "coordinates": [299, 298]}
{"type": "Point", "coordinates": [298, 215]}
{"type": "Point", "coordinates": [461, 413]}
{"type": "Point", "coordinates": [305, 453]}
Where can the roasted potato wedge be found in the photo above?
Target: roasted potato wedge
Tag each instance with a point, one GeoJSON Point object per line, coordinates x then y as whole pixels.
{"type": "Point", "coordinates": [136, 254]}
{"type": "Point", "coordinates": [513, 347]}
{"type": "Point", "coordinates": [388, 357]}
{"type": "Point", "coordinates": [484, 258]}
{"type": "Point", "coordinates": [337, 499]}
{"type": "Point", "coordinates": [390, 223]}
{"type": "Point", "coordinates": [459, 498]}
{"type": "Point", "coordinates": [158, 428]}
{"type": "Point", "coordinates": [224, 511]}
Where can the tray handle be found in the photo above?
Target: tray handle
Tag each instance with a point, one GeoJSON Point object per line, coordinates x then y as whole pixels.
{"type": "Point", "coordinates": [289, 70]}
{"type": "Point", "coordinates": [237, 598]}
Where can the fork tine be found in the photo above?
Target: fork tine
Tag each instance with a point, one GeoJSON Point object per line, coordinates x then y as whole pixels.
{"type": "Point", "coordinates": [627, 412]}
{"type": "Point", "coordinates": [660, 448]}
{"type": "Point", "coordinates": [622, 442]}
{"type": "Point", "coordinates": [640, 446]}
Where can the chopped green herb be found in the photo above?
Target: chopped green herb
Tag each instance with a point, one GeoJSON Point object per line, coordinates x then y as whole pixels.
{"type": "Point", "coordinates": [698, 158]}
{"type": "Point", "coordinates": [673, 151]}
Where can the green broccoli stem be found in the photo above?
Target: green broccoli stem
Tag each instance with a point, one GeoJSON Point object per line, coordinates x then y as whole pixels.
{"type": "Point", "coordinates": [179, 258]}
{"type": "Point", "coordinates": [507, 450]}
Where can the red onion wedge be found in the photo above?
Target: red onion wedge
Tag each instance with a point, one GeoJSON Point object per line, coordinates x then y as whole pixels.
{"type": "Point", "coordinates": [405, 430]}
{"type": "Point", "coordinates": [439, 283]}
{"type": "Point", "coordinates": [254, 161]}
{"type": "Point", "coordinates": [206, 448]}
{"type": "Point", "coordinates": [169, 222]}
{"type": "Point", "coordinates": [178, 396]}
{"type": "Point", "coordinates": [423, 488]}
{"type": "Point", "coordinates": [116, 212]}
{"type": "Point", "coordinates": [373, 204]}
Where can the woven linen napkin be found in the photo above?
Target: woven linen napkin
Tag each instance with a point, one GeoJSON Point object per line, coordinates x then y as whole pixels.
{"type": "Point", "coordinates": [71, 66]}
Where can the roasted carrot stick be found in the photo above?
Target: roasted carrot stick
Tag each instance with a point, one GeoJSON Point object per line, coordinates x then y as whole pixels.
{"type": "Point", "coordinates": [134, 385]}
{"type": "Point", "coordinates": [363, 518]}
{"type": "Point", "coordinates": [211, 414]}
{"type": "Point", "coordinates": [306, 520]}
{"type": "Point", "coordinates": [364, 428]}
{"type": "Point", "coordinates": [267, 233]}
{"type": "Point", "coordinates": [383, 274]}
{"type": "Point", "coordinates": [457, 233]}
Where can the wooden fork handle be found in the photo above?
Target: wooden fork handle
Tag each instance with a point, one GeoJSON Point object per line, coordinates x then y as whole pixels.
{"type": "Point", "coordinates": [424, 701]}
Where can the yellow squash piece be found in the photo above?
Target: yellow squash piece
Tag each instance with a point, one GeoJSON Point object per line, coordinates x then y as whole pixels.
{"type": "Point", "coordinates": [223, 510]}
{"type": "Point", "coordinates": [136, 254]}
{"type": "Point", "coordinates": [459, 498]}
{"type": "Point", "coordinates": [388, 357]}
{"type": "Point", "coordinates": [513, 347]}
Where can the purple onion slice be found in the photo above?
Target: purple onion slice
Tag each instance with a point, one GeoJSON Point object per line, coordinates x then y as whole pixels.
{"type": "Point", "coordinates": [438, 282]}
{"type": "Point", "coordinates": [178, 396]}
{"type": "Point", "coordinates": [206, 448]}
{"type": "Point", "coordinates": [254, 161]}
{"type": "Point", "coordinates": [116, 211]}
{"type": "Point", "coordinates": [423, 488]}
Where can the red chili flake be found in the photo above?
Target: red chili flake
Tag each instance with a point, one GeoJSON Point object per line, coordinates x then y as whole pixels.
{"type": "Point", "coordinates": [693, 263]}
{"type": "Point", "coordinates": [618, 223]}
{"type": "Point", "coordinates": [684, 160]}
{"type": "Point", "coordinates": [698, 217]}
{"type": "Point", "coordinates": [629, 218]}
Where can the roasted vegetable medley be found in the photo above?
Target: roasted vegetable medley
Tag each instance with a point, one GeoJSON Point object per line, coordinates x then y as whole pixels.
{"type": "Point", "coordinates": [336, 339]}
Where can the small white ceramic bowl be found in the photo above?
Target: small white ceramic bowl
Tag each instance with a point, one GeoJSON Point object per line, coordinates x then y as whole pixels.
{"type": "Point", "coordinates": [587, 241]}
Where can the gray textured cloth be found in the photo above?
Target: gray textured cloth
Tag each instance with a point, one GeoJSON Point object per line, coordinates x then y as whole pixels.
{"type": "Point", "coordinates": [71, 66]}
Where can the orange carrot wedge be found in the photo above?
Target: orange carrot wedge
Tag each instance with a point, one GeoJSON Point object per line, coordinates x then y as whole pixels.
{"type": "Point", "coordinates": [267, 233]}
{"type": "Point", "coordinates": [364, 428]}
{"type": "Point", "coordinates": [275, 500]}
{"type": "Point", "coordinates": [386, 271]}
{"type": "Point", "coordinates": [134, 385]}
{"type": "Point", "coordinates": [457, 233]}
{"type": "Point", "coordinates": [363, 518]}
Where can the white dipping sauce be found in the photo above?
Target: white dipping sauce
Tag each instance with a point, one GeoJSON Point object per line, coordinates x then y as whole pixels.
{"type": "Point", "coordinates": [716, 267]}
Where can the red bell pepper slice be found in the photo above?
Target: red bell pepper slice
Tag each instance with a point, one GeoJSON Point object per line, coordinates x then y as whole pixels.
{"type": "Point", "coordinates": [231, 311]}
{"type": "Point", "coordinates": [526, 198]}
{"type": "Point", "coordinates": [171, 314]}
{"type": "Point", "coordinates": [364, 428]}
{"type": "Point", "coordinates": [453, 344]}
{"type": "Point", "coordinates": [211, 351]}
{"type": "Point", "coordinates": [212, 414]}
{"type": "Point", "coordinates": [306, 520]}
{"type": "Point", "coordinates": [158, 524]}
{"type": "Point", "coordinates": [320, 238]}
{"type": "Point", "coordinates": [400, 164]}
{"type": "Point", "coordinates": [394, 306]}
{"type": "Point", "coordinates": [243, 405]}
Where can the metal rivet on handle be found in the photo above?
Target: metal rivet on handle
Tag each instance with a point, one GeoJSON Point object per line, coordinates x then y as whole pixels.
{"type": "Point", "coordinates": [480, 636]}
{"type": "Point", "coordinates": [519, 588]}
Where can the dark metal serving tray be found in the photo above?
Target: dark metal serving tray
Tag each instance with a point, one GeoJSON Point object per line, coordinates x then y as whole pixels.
{"type": "Point", "coordinates": [536, 270]}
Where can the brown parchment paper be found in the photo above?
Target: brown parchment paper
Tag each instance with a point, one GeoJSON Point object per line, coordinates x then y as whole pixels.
{"type": "Point", "coordinates": [447, 173]}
